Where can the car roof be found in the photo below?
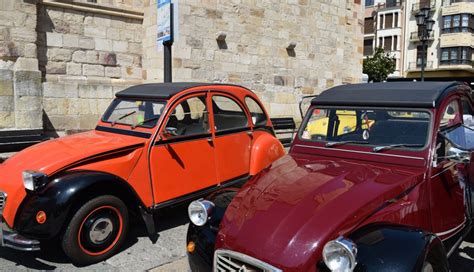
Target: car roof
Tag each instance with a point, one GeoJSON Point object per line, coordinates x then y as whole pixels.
{"type": "Point", "coordinates": [393, 94]}
{"type": "Point", "coordinates": [162, 90]}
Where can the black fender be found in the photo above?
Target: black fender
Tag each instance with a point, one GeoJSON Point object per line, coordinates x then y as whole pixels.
{"type": "Point", "coordinates": [204, 237]}
{"type": "Point", "coordinates": [63, 195]}
{"type": "Point", "coordinates": [398, 248]}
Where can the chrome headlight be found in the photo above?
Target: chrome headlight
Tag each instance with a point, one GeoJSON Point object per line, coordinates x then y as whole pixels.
{"type": "Point", "coordinates": [34, 180]}
{"type": "Point", "coordinates": [199, 211]}
{"type": "Point", "coordinates": [340, 255]}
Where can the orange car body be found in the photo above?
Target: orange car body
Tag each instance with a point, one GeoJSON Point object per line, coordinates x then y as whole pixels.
{"type": "Point", "coordinates": [158, 168]}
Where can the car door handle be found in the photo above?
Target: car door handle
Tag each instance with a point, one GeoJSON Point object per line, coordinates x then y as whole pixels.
{"type": "Point", "coordinates": [209, 139]}
{"type": "Point", "coordinates": [249, 133]}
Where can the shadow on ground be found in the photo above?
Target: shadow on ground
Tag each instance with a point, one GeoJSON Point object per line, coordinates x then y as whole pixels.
{"type": "Point", "coordinates": [51, 252]}
{"type": "Point", "coordinates": [462, 259]}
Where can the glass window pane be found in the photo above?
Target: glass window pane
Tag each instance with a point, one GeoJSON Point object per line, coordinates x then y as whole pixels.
{"type": "Point", "coordinates": [258, 116]}
{"type": "Point", "coordinates": [454, 54]}
{"type": "Point", "coordinates": [451, 115]}
{"type": "Point", "coordinates": [465, 20]}
{"type": "Point", "coordinates": [447, 21]}
{"type": "Point", "coordinates": [132, 113]}
{"type": "Point", "coordinates": [456, 20]}
{"type": "Point", "coordinates": [227, 113]}
{"type": "Point", "coordinates": [444, 54]}
{"type": "Point", "coordinates": [190, 117]}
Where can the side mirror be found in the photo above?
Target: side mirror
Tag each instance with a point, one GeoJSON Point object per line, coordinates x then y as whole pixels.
{"type": "Point", "coordinates": [457, 155]}
{"type": "Point", "coordinates": [170, 131]}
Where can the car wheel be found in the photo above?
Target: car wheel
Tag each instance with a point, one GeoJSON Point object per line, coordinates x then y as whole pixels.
{"type": "Point", "coordinates": [96, 231]}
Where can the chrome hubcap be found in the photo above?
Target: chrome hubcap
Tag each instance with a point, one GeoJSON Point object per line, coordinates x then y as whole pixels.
{"type": "Point", "coordinates": [101, 230]}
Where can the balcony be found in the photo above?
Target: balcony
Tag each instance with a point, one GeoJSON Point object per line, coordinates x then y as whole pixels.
{"type": "Point", "coordinates": [414, 36]}
{"type": "Point", "coordinates": [422, 4]}
{"type": "Point", "coordinates": [393, 3]}
{"type": "Point", "coordinates": [458, 62]}
{"type": "Point", "coordinates": [413, 66]}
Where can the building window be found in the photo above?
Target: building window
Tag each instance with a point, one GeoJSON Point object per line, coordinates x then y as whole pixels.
{"type": "Point", "coordinates": [369, 3]}
{"type": "Point", "coordinates": [388, 20]}
{"type": "Point", "coordinates": [387, 45]}
{"type": "Point", "coordinates": [396, 20]}
{"type": "Point", "coordinates": [419, 54]}
{"type": "Point", "coordinates": [395, 43]}
{"type": "Point", "coordinates": [458, 23]}
{"type": "Point", "coordinates": [368, 47]}
{"type": "Point", "coordinates": [369, 25]}
{"type": "Point", "coordinates": [456, 55]}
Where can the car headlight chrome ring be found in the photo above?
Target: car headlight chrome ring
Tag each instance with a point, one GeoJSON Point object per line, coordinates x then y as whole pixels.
{"type": "Point", "coordinates": [200, 211]}
{"type": "Point", "coordinates": [32, 180]}
{"type": "Point", "coordinates": [340, 255]}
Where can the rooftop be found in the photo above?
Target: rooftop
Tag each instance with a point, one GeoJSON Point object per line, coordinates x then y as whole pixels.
{"type": "Point", "coordinates": [394, 94]}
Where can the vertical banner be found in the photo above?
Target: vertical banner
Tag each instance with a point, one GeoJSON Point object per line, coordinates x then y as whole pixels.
{"type": "Point", "coordinates": [163, 21]}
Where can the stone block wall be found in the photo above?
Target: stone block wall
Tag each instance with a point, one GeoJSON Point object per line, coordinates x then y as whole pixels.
{"type": "Point", "coordinates": [85, 57]}
{"type": "Point", "coordinates": [328, 37]}
{"type": "Point", "coordinates": [20, 79]}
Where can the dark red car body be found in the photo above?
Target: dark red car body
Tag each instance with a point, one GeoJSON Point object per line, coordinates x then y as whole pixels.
{"type": "Point", "coordinates": [401, 207]}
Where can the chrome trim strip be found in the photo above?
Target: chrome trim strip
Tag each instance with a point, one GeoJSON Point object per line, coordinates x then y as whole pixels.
{"type": "Point", "coordinates": [243, 258]}
{"type": "Point", "coordinates": [444, 170]}
{"type": "Point", "coordinates": [451, 230]}
{"type": "Point", "coordinates": [361, 152]}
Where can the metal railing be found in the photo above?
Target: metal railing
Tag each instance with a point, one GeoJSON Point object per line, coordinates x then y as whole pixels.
{"type": "Point", "coordinates": [457, 62]}
{"type": "Point", "coordinates": [450, 2]}
{"type": "Point", "coordinates": [416, 65]}
{"type": "Point", "coordinates": [414, 36]}
{"type": "Point", "coordinates": [422, 4]}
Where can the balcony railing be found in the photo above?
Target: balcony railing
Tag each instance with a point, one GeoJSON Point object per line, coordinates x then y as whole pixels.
{"type": "Point", "coordinates": [393, 3]}
{"type": "Point", "coordinates": [417, 65]}
{"type": "Point", "coordinates": [460, 29]}
{"type": "Point", "coordinates": [450, 2]}
{"type": "Point", "coordinates": [414, 36]}
{"type": "Point", "coordinates": [422, 4]}
{"type": "Point", "coordinates": [457, 62]}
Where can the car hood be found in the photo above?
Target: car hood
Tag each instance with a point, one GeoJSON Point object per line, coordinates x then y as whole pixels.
{"type": "Point", "coordinates": [51, 156]}
{"type": "Point", "coordinates": [287, 214]}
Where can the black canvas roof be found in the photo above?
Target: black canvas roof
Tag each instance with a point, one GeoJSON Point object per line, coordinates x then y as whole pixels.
{"type": "Point", "coordinates": [393, 94]}
{"type": "Point", "coordinates": [160, 90]}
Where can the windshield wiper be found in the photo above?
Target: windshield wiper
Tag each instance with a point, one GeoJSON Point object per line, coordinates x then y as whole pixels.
{"type": "Point", "coordinates": [123, 116]}
{"type": "Point", "coordinates": [388, 147]}
{"type": "Point", "coordinates": [145, 121]}
{"type": "Point", "coordinates": [331, 144]}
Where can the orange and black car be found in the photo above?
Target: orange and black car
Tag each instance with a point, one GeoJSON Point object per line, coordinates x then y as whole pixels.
{"type": "Point", "coordinates": [155, 146]}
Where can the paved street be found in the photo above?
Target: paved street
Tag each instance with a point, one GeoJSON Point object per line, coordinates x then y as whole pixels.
{"type": "Point", "coordinates": [168, 254]}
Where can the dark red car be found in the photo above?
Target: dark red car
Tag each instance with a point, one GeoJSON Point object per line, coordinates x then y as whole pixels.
{"type": "Point", "coordinates": [391, 193]}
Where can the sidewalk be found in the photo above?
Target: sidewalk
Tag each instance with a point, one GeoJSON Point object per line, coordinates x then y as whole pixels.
{"type": "Point", "coordinates": [180, 265]}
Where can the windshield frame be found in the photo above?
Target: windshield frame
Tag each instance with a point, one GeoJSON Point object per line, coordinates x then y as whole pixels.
{"type": "Point", "coordinates": [369, 146]}
{"type": "Point", "coordinates": [114, 103]}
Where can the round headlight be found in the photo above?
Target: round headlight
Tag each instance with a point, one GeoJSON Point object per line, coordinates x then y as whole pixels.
{"type": "Point", "coordinates": [199, 211]}
{"type": "Point", "coordinates": [340, 255]}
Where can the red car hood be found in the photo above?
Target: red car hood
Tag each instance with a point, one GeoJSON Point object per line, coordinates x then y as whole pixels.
{"type": "Point", "coordinates": [286, 215]}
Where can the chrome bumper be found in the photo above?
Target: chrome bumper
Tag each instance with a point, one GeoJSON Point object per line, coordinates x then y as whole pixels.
{"type": "Point", "coordinates": [11, 239]}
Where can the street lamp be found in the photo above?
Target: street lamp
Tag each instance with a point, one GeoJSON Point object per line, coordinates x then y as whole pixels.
{"type": "Point", "coordinates": [425, 26]}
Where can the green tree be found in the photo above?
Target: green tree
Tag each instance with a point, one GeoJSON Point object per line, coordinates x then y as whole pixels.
{"type": "Point", "coordinates": [379, 66]}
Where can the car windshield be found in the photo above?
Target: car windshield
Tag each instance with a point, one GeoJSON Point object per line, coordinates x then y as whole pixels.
{"type": "Point", "coordinates": [387, 128]}
{"type": "Point", "coordinates": [134, 113]}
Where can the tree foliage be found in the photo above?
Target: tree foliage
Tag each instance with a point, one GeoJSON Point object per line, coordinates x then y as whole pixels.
{"type": "Point", "coordinates": [379, 66]}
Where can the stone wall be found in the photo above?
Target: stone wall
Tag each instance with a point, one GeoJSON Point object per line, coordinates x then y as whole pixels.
{"type": "Point", "coordinates": [20, 79]}
{"type": "Point", "coordinates": [328, 37]}
{"type": "Point", "coordinates": [85, 57]}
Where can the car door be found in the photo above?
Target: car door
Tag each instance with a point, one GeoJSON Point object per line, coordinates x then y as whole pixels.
{"type": "Point", "coordinates": [233, 137]}
{"type": "Point", "coordinates": [182, 161]}
{"type": "Point", "coordinates": [447, 182]}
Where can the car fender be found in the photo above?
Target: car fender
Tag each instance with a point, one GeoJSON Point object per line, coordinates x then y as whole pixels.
{"type": "Point", "coordinates": [204, 237]}
{"type": "Point", "coordinates": [63, 195]}
{"type": "Point", "coordinates": [265, 150]}
{"type": "Point", "coordinates": [398, 248]}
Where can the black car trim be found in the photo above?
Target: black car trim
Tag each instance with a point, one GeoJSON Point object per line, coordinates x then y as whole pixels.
{"type": "Point", "coordinates": [123, 132]}
{"type": "Point", "coordinates": [231, 131]}
{"type": "Point", "coordinates": [183, 139]}
{"type": "Point", "coordinates": [202, 192]}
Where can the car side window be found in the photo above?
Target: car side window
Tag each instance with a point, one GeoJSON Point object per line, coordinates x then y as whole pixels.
{"type": "Point", "coordinates": [467, 113]}
{"type": "Point", "coordinates": [227, 113]}
{"type": "Point", "coordinates": [450, 118]}
{"type": "Point", "coordinates": [258, 116]}
{"type": "Point", "coordinates": [189, 117]}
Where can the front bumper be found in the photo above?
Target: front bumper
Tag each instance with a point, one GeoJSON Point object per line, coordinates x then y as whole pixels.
{"type": "Point", "coordinates": [11, 239]}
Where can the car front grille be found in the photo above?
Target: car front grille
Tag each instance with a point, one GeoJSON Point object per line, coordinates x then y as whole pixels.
{"type": "Point", "coordinates": [227, 260]}
{"type": "Point", "coordinates": [3, 198]}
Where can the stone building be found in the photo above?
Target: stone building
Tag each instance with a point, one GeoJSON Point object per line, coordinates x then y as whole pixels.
{"type": "Point", "coordinates": [61, 62]}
